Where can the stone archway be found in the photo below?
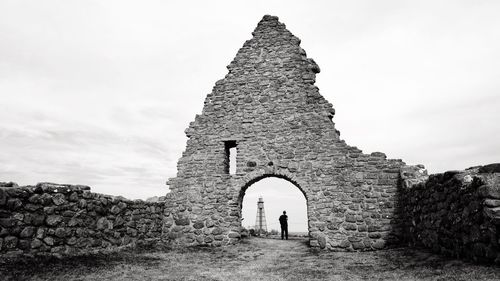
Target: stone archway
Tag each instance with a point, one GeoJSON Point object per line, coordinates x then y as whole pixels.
{"type": "Point", "coordinates": [269, 112]}
{"type": "Point", "coordinates": [266, 176]}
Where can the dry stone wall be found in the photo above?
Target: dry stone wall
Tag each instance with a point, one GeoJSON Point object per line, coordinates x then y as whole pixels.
{"type": "Point", "coordinates": [456, 213]}
{"type": "Point", "coordinates": [268, 107]}
{"type": "Point", "coordinates": [55, 219]}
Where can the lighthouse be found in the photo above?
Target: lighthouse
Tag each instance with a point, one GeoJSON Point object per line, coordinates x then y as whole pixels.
{"type": "Point", "coordinates": [260, 222]}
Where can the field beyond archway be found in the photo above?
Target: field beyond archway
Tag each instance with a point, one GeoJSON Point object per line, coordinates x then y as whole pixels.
{"type": "Point", "coordinates": [278, 195]}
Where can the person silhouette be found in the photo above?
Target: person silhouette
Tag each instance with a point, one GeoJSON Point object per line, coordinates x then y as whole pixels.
{"type": "Point", "coordinates": [284, 225]}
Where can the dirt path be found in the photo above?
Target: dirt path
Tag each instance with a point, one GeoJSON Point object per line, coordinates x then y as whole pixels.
{"type": "Point", "coordinates": [253, 259]}
{"type": "Point", "coordinates": [294, 260]}
{"type": "Point", "coordinates": [270, 254]}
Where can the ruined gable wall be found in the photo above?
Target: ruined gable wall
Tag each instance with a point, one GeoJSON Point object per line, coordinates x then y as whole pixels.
{"type": "Point", "coordinates": [54, 219]}
{"type": "Point", "coordinates": [455, 213]}
{"type": "Point", "coordinates": [268, 105]}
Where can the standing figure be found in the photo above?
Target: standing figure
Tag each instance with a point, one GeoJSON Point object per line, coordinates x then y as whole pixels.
{"type": "Point", "coordinates": [284, 226]}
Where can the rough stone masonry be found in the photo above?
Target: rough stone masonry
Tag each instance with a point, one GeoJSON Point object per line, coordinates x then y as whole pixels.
{"type": "Point", "coordinates": [268, 107]}
{"type": "Point", "coordinates": [269, 110]}
{"type": "Point", "coordinates": [61, 219]}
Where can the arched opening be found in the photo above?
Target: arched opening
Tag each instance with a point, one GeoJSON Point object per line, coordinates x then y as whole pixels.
{"type": "Point", "coordinates": [278, 194]}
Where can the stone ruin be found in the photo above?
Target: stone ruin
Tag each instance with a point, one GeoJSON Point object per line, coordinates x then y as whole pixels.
{"type": "Point", "coordinates": [268, 109]}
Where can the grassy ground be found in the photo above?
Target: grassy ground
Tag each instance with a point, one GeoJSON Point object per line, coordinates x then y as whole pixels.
{"type": "Point", "coordinates": [253, 259]}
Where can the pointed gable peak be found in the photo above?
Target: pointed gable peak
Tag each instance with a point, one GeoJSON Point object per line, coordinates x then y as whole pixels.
{"type": "Point", "coordinates": [270, 27]}
{"type": "Point", "coordinates": [271, 44]}
{"type": "Point", "coordinates": [267, 22]}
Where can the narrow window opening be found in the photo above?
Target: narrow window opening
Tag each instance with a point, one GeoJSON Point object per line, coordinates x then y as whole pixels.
{"type": "Point", "coordinates": [231, 151]}
{"type": "Point", "coordinates": [232, 160]}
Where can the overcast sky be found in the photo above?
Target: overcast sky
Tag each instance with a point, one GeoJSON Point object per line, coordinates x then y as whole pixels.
{"type": "Point", "coordinates": [100, 92]}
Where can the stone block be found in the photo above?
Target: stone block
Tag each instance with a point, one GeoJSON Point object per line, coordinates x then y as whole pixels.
{"type": "Point", "coordinates": [14, 204]}
{"type": "Point", "coordinates": [36, 243]}
{"type": "Point", "coordinates": [3, 231]}
{"type": "Point", "coordinates": [209, 223]}
{"type": "Point", "coordinates": [354, 239]}
{"type": "Point", "coordinates": [492, 212]}
{"type": "Point", "coordinates": [49, 241]}
{"type": "Point", "coordinates": [17, 192]}
{"type": "Point", "coordinates": [27, 232]}
{"type": "Point", "coordinates": [10, 242]}
{"type": "Point", "coordinates": [4, 214]}
{"type": "Point", "coordinates": [219, 237]}
{"type": "Point", "coordinates": [115, 210]}
{"type": "Point", "coordinates": [36, 219]}
{"type": "Point", "coordinates": [133, 232]}
{"type": "Point", "coordinates": [322, 241]}
{"type": "Point", "coordinates": [490, 168]}
{"type": "Point", "coordinates": [379, 244]}
{"type": "Point", "coordinates": [358, 245]}
{"type": "Point", "coordinates": [362, 228]}
{"type": "Point", "coordinates": [53, 220]}
{"type": "Point", "coordinates": [7, 222]}
{"type": "Point", "coordinates": [217, 231]}
{"type": "Point", "coordinates": [198, 225]}
{"type": "Point", "coordinates": [103, 223]}
{"type": "Point", "coordinates": [32, 207]}
{"type": "Point", "coordinates": [3, 197]}
{"type": "Point", "coordinates": [350, 226]}
{"type": "Point", "coordinates": [345, 244]}
{"type": "Point", "coordinates": [82, 203]}
{"type": "Point", "coordinates": [58, 250]}
{"type": "Point", "coordinates": [74, 222]}
{"type": "Point", "coordinates": [72, 241]}
{"type": "Point", "coordinates": [8, 184]}
{"type": "Point", "coordinates": [333, 226]}
{"type": "Point", "coordinates": [87, 195]}
{"type": "Point", "coordinates": [181, 220]}
{"type": "Point", "coordinates": [350, 218]}
{"type": "Point", "coordinates": [313, 243]}
{"type": "Point", "coordinates": [489, 191]}
{"type": "Point", "coordinates": [24, 244]}
{"type": "Point", "coordinates": [492, 203]}
{"type": "Point", "coordinates": [73, 197]}
{"type": "Point", "coordinates": [58, 199]}
{"type": "Point", "coordinates": [177, 228]}
{"type": "Point", "coordinates": [69, 213]}
{"type": "Point", "coordinates": [18, 216]}
{"type": "Point", "coordinates": [45, 199]}
{"type": "Point", "coordinates": [378, 155]}
{"type": "Point", "coordinates": [61, 232]}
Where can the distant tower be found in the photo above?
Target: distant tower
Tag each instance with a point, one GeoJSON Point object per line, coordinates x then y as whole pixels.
{"type": "Point", "coordinates": [260, 222]}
